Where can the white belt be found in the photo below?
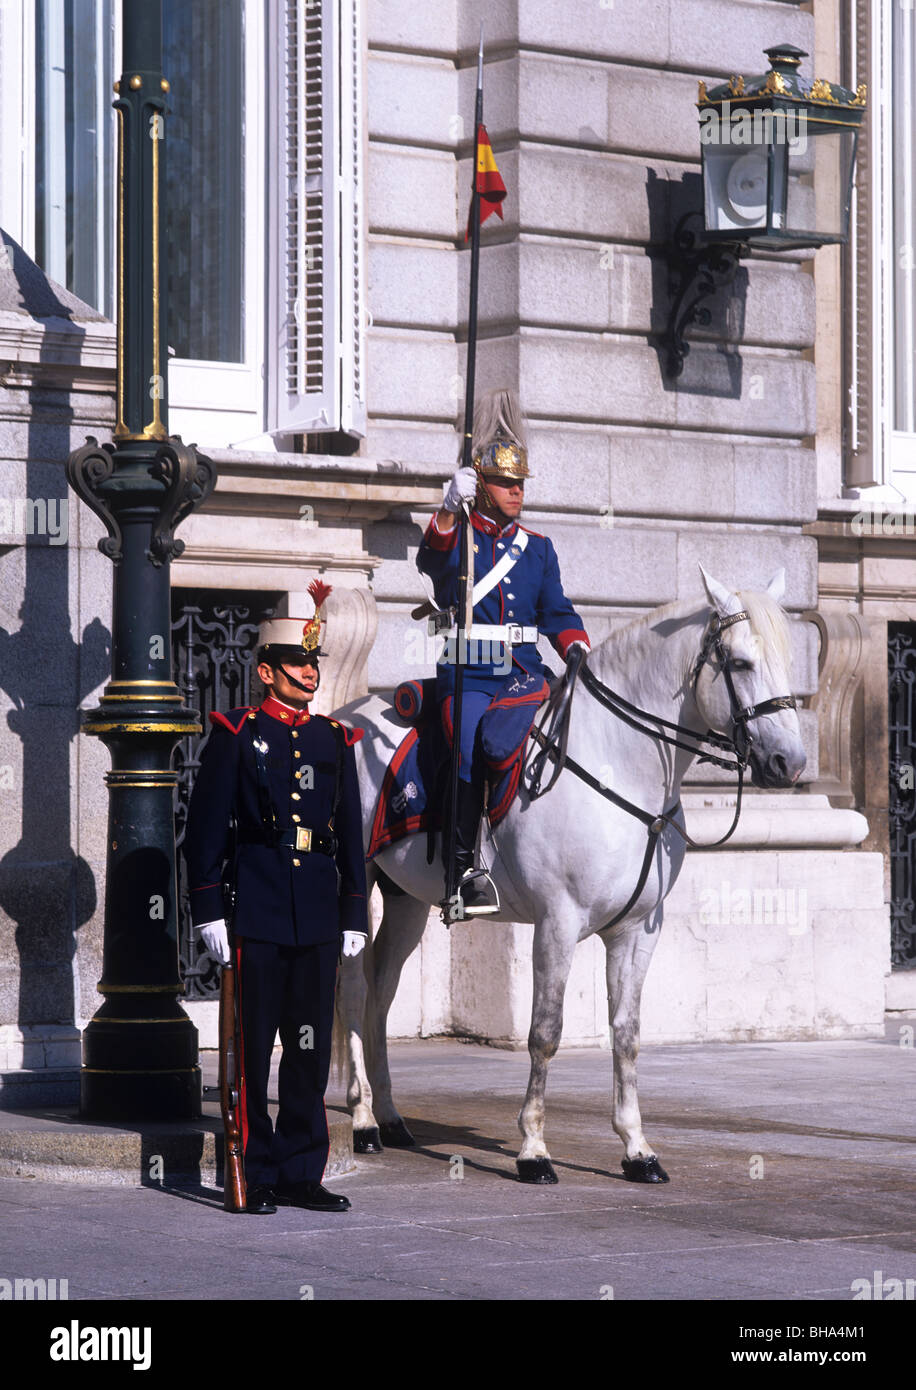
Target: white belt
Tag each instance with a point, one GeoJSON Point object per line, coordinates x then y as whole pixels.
{"type": "Point", "coordinates": [512, 634]}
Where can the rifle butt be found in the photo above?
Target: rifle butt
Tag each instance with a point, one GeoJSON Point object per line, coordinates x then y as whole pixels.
{"type": "Point", "coordinates": [234, 1197]}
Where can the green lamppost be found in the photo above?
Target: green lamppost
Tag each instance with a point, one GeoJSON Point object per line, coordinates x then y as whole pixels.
{"type": "Point", "coordinates": [140, 1049]}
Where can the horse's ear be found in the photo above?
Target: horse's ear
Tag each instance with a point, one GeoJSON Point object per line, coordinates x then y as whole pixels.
{"type": "Point", "coordinates": [722, 599]}
{"type": "Point", "coordinates": [777, 586]}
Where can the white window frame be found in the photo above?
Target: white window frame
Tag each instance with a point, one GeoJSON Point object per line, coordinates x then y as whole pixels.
{"type": "Point", "coordinates": [878, 456]}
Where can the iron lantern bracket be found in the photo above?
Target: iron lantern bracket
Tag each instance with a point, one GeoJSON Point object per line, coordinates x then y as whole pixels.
{"type": "Point", "coordinates": [697, 269]}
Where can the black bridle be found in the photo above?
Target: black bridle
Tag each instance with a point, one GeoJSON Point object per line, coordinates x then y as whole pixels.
{"type": "Point", "coordinates": [740, 716]}
{"type": "Point", "coordinates": [557, 714]}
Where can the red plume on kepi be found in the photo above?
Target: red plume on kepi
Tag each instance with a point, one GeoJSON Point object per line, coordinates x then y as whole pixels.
{"type": "Point", "coordinates": [290, 639]}
{"type": "Point", "coordinates": [319, 592]}
{"type": "Point", "coordinates": [311, 631]}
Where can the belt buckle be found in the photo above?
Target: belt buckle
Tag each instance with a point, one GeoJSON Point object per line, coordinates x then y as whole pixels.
{"type": "Point", "coordinates": [514, 634]}
{"type": "Point", "coordinates": [304, 837]}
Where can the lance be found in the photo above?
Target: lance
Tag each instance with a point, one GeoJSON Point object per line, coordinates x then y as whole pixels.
{"type": "Point", "coordinates": [451, 906]}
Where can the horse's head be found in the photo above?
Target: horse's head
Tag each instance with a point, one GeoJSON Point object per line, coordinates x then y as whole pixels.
{"type": "Point", "coordinates": [741, 681]}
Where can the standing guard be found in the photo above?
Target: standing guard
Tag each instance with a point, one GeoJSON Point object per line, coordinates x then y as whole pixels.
{"type": "Point", "coordinates": [275, 812]}
{"type": "Point", "coordinates": [517, 597]}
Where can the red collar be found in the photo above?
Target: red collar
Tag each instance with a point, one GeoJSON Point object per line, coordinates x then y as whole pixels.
{"type": "Point", "coordinates": [489, 527]}
{"type": "Point", "coordinates": [284, 713]}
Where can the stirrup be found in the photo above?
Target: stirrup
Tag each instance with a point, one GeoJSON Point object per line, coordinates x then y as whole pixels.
{"type": "Point", "coordinates": [485, 909]}
{"type": "Point", "coordinates": [454, 909]}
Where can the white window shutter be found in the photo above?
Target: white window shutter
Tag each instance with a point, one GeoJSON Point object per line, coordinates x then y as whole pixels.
{"type": "Point", "coordinates": [350, 203]}
{"type": "Point", "coordinates": [868, 308]}
{"type": "Point", "coordinates": [316, 366]}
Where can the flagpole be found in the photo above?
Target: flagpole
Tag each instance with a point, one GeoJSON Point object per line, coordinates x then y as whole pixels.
{"type": "Point", "coordinates": [466, 462]}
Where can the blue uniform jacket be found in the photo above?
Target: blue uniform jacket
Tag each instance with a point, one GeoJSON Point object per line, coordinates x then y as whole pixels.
{"type": "Point", "coordinates": [531, 594]}
{"type": "Point", "coordinates": [284, 895]}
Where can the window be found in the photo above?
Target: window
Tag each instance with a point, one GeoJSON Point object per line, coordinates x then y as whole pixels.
{"type": "Point", "coordinates": [74, 147]}
{"type": "Point", "coordinates": [205, 178]}
{"type": "Point", "coordinates": [264, 162]}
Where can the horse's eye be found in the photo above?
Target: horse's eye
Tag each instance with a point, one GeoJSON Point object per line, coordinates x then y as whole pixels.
{"type": "Point", "coordinates": [737, 663]}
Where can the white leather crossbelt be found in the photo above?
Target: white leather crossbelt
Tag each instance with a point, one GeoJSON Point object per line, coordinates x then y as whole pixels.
{"type": "Point", "coordinates": [512, 634]}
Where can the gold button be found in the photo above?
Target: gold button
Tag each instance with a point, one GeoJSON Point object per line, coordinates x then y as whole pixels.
{"type": "Point", "coordinates": [296, 862]}
{"type": "Point", "coordinates": [297, 819]}
{"type": "Point", "coordinates": [297, 754]}
{"type": "Point", "coordinates": [295, 735]}
{"type": "Point", "coordinates": [296, 796]}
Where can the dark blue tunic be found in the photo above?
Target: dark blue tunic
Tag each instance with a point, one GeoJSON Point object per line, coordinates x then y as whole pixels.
{"type": "Point", "coordinates": [283, 895]}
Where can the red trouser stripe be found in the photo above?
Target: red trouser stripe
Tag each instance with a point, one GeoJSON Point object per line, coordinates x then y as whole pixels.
{"type": "Point", "coordinates": [240, 1059]}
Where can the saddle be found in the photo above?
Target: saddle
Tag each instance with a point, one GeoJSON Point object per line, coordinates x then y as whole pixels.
{"type": "Point", "coordinates": [413, 791]}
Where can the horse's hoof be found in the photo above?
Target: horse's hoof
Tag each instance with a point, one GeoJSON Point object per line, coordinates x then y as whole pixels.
{"type": "Point", "coordinates": [397, 1136]}
{"type": "Point", "coordinates": [536, 1170]}
{"type": "Point", "coordinates": [367, 1141]}
{"type": "Point", "coordinates": [644, 1170]}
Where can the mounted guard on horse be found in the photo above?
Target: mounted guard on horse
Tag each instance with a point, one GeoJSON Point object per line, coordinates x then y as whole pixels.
{"type": "Point", "coordinates": [517, 597]}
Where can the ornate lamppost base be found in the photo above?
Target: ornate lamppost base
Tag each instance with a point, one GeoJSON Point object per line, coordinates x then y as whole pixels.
{"type": "Point", "coordinates": [140, 1061]}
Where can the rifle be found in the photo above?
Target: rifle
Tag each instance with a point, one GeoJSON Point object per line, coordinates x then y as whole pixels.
{"type": "Point", "coordinates": [234, 1197]}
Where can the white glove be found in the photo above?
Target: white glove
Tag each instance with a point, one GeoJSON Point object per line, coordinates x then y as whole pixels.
{"type": "Point", "coordinates": [353, 943]}
{"type": "Point", "coordinates": [216, 939]}
{"type": "Point", "coordinates": [462, 488]}
{"type": "Point", "coordinates": [573, 645]}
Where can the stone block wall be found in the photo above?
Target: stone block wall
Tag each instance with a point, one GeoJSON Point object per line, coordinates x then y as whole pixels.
{"type": "Point", "coordinates": [636, 477]}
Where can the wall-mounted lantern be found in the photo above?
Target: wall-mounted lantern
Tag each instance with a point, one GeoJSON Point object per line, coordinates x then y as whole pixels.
{"type": "Point", "coordinates": [778, 161]}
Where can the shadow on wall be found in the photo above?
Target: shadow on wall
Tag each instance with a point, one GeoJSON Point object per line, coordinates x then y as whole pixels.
{"type": "Point", "coordinates": [47, 890]}
{"type": "Point", "coordinates": [712, 365]}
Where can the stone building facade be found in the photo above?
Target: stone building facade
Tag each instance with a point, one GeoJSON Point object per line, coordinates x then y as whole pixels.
{"type": "Point", "coordinates": [742, 464]}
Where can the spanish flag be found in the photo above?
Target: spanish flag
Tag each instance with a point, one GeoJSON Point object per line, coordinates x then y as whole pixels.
{"type": "Point", "coordinates": [490, 185]}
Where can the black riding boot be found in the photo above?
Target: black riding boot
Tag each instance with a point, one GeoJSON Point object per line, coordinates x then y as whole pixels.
{"type": "Point", "coordinates": [470, 809]}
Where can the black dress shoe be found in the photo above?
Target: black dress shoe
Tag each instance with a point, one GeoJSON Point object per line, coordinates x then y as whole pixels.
{"type": "Point", "coordinates": [314, 1197]}
{"type": "Point", "coordinates": [260, 1201]}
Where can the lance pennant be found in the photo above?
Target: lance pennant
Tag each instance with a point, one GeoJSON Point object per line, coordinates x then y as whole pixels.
{"type": "Point", "coordinates": [489, 186]}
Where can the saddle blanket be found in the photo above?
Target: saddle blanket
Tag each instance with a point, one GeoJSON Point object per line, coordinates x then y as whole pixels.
{"type": "Point", "coordinates": [413, 791]}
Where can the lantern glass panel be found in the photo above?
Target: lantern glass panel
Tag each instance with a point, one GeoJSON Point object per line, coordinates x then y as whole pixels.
{"type": "Point", "coordinates": [735, 183]}
{"type": "Point", "coordinates": [820, 164]}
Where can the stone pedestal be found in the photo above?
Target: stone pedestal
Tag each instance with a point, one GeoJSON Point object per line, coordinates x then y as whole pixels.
{"type": "Point", "coordinates": [781, 935]}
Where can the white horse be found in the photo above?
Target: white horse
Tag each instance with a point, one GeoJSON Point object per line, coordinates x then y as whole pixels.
{"type": "Point", "coordinates": [570, 861]}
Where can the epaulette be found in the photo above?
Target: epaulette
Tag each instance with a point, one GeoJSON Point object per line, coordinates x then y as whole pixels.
{"type": "Point", "coordinates": [351, 736]}
{"type": "Point", "coordinates": [233, 719]}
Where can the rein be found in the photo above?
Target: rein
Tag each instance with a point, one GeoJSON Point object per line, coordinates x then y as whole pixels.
{"type": "Point", "coordinates": [553, 743]}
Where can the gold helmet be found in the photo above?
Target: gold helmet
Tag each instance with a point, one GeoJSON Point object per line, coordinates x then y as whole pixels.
{"type": "Point", "coordinates": [504, 457]}
{"type": "Point", "coordinates": [499, 448]}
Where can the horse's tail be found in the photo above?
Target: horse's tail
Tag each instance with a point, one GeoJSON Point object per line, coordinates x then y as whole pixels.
{"type": "Point", "coordinates": [340, 1049]}
{"type": "Point", "coordinates": [388, 889]}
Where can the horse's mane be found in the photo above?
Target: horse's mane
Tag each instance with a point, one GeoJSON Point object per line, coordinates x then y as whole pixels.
{"type": "Point", "coordinates": [768, 622]}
